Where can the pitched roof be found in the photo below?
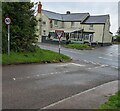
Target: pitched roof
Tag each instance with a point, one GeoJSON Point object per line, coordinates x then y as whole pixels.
{"type": "Point", "coordinates": [66, 17]}
{"type": "Point", "coordinates": [52, 15]}
{"type": "Point", "coordinates": [96, 19]}
{"type": "Point", "coordinates": [75, 16]}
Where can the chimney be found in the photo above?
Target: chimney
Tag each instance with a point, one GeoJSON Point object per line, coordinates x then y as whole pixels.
{"type": "Point", "coordinates": [39, 7]}
{"type": "Point", "coordinates": [68, 12]}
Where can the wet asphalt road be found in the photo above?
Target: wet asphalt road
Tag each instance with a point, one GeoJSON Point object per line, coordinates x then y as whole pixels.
{"type": "Point", "coordinates": [103, 55]}
{"type": "Point", "coordinates": [38, 85]}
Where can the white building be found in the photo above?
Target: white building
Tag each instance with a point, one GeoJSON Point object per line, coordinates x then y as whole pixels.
{"type": "Point", "coordinates": [80, 27]}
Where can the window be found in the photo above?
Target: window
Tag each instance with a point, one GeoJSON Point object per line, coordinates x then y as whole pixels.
{"type": "Point", "coordinates": [72, 24]}
{"type": "Point", "coordinates": [91, 27]}
{"type": "Point", "coordinates": [86, 37]}
{"type": "Point", "coordinates": [44, 32]}
{"type": "Point", "coordinates": [44, 23]}
{"type": "Point", "coordinates": [55, 22]}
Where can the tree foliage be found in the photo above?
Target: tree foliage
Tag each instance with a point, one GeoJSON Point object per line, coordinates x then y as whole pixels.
{"type": "Point", "coordinates": [118, 35]}
{"type": "Point", "coordinates": [22, 27]}
{"type": "Point", "coordinates": [118, 32]}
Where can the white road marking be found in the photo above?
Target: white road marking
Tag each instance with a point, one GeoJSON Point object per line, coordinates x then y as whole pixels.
{"type": "Point", "coordinates": [53, 73]}
{"type": "Point", "coordinates": [96, 67]}
{"type": "Point", "coordinates": [89, 68]}
{"type": "Point", "coordinates": [66, 71]}
{"type": "Point", "coordinates": [105, 58]}
{"type": "Point", "coordinates": [53, 104]}
{"type": "Point", "coordinates": [109, 55]}
{"type": "Point", "coordinates": [104, 65]}
{"type": "Point", "coordinates": [86, 61]}
{"type": "Point", "coordinates": [76, 64]}
{"type": "Point", "coordinates": [98, 64]}
{"type": "Point", "coordinates": [14, 79]}
{"type": "Point", "coordinates": [115, 67]}
{"type": "Point", "coordinates": [93, 63]}
{"type": "Point", "coordinates": [63, 65]}
{"type": "Point", "coordinates": [28, 77]}
{"type": "Point", "coordinates": [71, 64]}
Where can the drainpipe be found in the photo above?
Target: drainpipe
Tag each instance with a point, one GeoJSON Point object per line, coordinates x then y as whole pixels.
{"type": "Point", "coordinates": [103, 35]}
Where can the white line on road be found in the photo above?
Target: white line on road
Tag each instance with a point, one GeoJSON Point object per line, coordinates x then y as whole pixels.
{"type": "Point", "coordinates": [47, 74]}
{"type": "Point", "coordinates": [109, 55]}
{"type": "Point", "coordinates": [104, 65]}
{"type": "Point", "coordinates": [89, 68]}
{"type": "Point", "coordinates": [14, 79]}
{"type": "Point", "coordinates": [76, 64]}
{"type": "Point", "coordinates": [53, 104]}
{"type": "Point", "coordinates": [93, 62]}
{"type": "Point", "coordinates": [115, 67]}
{"type": "Point", "coordinates": [71, 64]}
{"type": "Point", "coordinates": [28, 77]}
{"type": "Point", "coordinates": [105, 58]}
{"type": "Point", "coordinates": [86, 61]}
{"type": "Point", "coordinates": [63, 65]}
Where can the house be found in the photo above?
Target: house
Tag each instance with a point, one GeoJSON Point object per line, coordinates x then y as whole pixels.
{"type": "Point", "coordinates": [77, 27]}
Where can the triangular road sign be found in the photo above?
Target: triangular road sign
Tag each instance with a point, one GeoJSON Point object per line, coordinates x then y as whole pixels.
{"type": "Point", "coordinates": [59, 33]}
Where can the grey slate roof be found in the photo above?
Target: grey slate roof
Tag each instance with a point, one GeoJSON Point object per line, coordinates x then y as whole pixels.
{"type": "Point", "coordinates": [66, 17]}
{"type": "Point", "coordinates": [96, 19]}
{"type": "Point", "coordinates": [75, 16]}
{"type": "Point", "coordinates": [52, 15]}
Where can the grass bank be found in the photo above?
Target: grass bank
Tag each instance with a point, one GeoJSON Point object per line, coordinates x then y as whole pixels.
{"type": "Point", "coordinates": [40, 56]}
{"type": "Point", "coordinates": [79, 46]}
{"type": "Point", "coordinates": [113, 102]}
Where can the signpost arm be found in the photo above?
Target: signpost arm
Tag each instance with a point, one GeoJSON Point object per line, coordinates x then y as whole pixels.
{"type": "Point", "coordinates": [8, 39]}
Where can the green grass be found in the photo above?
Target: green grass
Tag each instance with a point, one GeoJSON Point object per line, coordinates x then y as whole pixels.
{"type": "Point", "coordinates": [40, 56]}
{"type": "Point", "coordinates": [113, 102]}
{"type": "Point", "coordinates": [78, 46]}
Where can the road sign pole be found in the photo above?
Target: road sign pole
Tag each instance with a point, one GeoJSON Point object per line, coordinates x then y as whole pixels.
{"type": "Point", "coordinates": [59, 46]}
{"type": "Point", "coordinates": [59, 34]}
{"type": "Point", "coordinates": [8, 22]}
{"type": "Point", "coordinates": [8, 39]}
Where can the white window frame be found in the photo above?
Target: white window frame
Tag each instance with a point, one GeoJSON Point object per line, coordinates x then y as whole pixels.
{"type": "Point", "coordinates": [91, 27]}
{"type": "Point", "coordinates": [55, 22]}
{"type": "Point", "coordinates": [44, 22]}
{"type": "Point", "coordinates": [72, 24]}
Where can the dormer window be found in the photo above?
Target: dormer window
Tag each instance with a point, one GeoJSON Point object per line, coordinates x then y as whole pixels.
{"type": "Point", "coordinates": [56, 23]}
{"type": "Point", "coordinates": [91, 27]}
{"type": "Point", "coordinates": [72, 24]}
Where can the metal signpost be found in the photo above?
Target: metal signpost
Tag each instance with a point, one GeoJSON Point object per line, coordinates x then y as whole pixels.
{"type": "Point", "coordinates": [59, 34]}
{"type": "Point", "coordinates": [8, 22]}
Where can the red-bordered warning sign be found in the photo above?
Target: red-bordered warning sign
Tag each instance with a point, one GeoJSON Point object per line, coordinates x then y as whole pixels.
{"type": "Point", "coordinates": [7, 20]}
{"type": "Point", "coordinates": [59, 33]}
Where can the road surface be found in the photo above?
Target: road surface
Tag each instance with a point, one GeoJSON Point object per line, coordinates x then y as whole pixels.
{"type": "Point", "coordinates": [35, 86]}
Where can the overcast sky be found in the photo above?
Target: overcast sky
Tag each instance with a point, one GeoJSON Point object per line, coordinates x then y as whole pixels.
{"type": "Point", "coordinates": [94, 8]}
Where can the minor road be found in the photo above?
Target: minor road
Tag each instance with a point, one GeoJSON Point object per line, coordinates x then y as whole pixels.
{"type": "Point", "coordinates": [35, 86]}
{"type": "Point", "coordinates": [104, 55]}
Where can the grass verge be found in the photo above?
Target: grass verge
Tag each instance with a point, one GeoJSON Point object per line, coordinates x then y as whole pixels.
{"type": "Point", "coordinates": [78, 46]}
{"type": "Point", "coordinates": [40, 56]}
{"type": "Point", "coordinates": [113, 102]}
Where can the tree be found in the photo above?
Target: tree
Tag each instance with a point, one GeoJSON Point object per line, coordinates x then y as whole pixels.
{"type": "Point", "coordinates": [118, 32]}
{"type": "Point", "coordinates": [118, 35]}
{"type": "Point", "coordinates": [22, 27]}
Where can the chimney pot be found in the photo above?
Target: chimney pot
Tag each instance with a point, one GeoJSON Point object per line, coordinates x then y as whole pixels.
{"type": "Point", "coordinates": [39, 7]}
{"type": "Point", "coordinates": [68, 12]}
